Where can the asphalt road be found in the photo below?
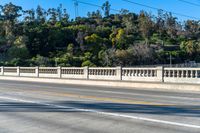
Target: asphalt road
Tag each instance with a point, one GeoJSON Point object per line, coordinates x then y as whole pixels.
{"type": "Point", "coordinates": [51, 108]}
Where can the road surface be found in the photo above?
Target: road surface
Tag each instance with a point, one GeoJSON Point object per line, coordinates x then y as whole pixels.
{"type": "Point", "coordinates": [28, 107]}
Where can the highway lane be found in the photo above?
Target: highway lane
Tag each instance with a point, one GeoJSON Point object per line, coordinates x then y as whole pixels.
{"type": "Point", "coordinates": [41, 107]}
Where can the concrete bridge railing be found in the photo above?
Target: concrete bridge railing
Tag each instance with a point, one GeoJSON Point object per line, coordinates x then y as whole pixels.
{"type": "Point", "coordinates": [153, 74]}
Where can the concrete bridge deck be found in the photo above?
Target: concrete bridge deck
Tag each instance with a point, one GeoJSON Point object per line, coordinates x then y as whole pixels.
{"type": "Point", "coordinates": [47, 107]}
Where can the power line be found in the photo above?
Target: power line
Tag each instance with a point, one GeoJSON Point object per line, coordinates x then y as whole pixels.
{"type": "Point", "coordinates": [91, 4]}
{"type": "Point", "coordinates": [143, 5]}
{"type": "Point", "coordinates": [76, 8]}
{"type": "Point", "coordinates": [154, 8]}
{"type": "Point", "coordinates": [191, 3]}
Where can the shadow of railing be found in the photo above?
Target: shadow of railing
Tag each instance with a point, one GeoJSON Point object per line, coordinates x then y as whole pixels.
{"type": "Point", "coordinates": [70, 106]}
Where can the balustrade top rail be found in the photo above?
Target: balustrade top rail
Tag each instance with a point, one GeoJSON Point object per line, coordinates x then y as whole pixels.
{"type": "Point", "coordinates": [157, 74]}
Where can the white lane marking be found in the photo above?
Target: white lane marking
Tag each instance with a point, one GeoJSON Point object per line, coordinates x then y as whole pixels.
{"type": "Point", "coordinates": [106, 113]}
{"type": "Point", "coordinates": [110, 92]}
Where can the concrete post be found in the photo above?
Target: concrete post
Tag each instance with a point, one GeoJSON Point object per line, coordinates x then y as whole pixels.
{"type": "Point", "coordinates": [86, 72]}
{"type": "Point", "coordinates": [59, 72]}
{"type": "Point", "coordinates": [18, 71]}
{"type": "Point", "coordinates": [2, 70]}
{"type": "Point", "coordinates": [160, 73]}
{"type": "Point", "coordinates": [119, 73]}
{"type": "Point", "coordinates": [37, 71]}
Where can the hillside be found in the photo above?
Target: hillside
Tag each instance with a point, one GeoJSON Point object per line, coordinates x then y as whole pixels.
{"type": "Point", "coordinates": [49, 38]}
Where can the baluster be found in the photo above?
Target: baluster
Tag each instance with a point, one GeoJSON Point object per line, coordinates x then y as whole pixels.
{"type": "Point", "coordinates": [186, 73]}
{"type": "Point", "coordinates": [182, 73]}
{"type": "Point", "coordinates": [110, 72]}
{"type": "Point", "coordinates": [130, 72]}
{"type": "Point", "coordinates": [178, 73]}
{"type": "Point", "coordinates": [148, 73]}
{"type": "Point", "coordinates": [138, 73]}
{"type": "Point", "coordinates": [165, 73]}
{"type": "Point", "coordinates": [151, 73]}
{"type": "Point", "coordinates": [192, 74]}
{"type": "Point", "coordinates": [196, 74]}
{"type": "Point", "coordinates": [95, 72]}
{"type": "Point", "coordinates": [173, 73]}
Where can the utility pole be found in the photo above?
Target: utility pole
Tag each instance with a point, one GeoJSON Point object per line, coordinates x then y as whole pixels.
{"type": "Point", "coordinates": [170, 58]}
{"type": "Point", "coordinates": [76, 8]}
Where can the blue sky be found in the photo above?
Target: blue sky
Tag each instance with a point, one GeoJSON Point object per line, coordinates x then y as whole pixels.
{"type": "Point", "coordinates": [170, 5]}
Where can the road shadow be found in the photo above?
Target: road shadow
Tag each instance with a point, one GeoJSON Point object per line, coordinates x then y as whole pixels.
{"type": "Point", "coordinates": [68, 106]}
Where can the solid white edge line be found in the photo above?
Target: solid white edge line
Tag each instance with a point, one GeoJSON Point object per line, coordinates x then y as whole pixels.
{"type": "Point", "coordinates": [107, 113]}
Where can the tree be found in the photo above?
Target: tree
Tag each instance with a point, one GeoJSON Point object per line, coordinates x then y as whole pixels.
{"type": "Point", "coordinates": [143, 54]}
{"type": "Point", "coordinates": [106, 8]}
{"type": "Point", "coordinates": [30, 16]}
{"type": "Point", "coordinates": [119, 39]}
{"type": "Point", "coordinates": [108, 57]}
{"type": "Point", "coordinates": [88, 63]}
{"type": "Point", "coordinates": [53, 15]}
{"type": "Point", "coordinates": [122, 57]}
{"type": "Point", "coordinates": [10, 13]}
{"type": "Point", "coordinates": [41, 61]}
{"type": "Point", "coordinates": [18, 52]}
{"type": "Point", "coordinates": [192, 47]}
{"type": "Point", "coordinates": [70, 49]}
{"type": "Point", "coordinates": [38, 41]}
{"type": "Point", "coordinates": [171, 25]}
{"type": "Point", "coordinates": [65, 16]}
{"type": "Point", "coordinates": [80, 39]}
{"type": "Point", "coordinates": [94, 15]}
{"type": "Point", "coordinates": [145, 25]}
{"type": "Point", "coordinates": [94, 43]}
{"type": "Point", "coordinates": [41, 14]}
{"type": "Point", "coordinates": [60, 12]}
{"type": "Point", "coordinates": [192, 29]}
{"type": "Point", "coordinates": [129, 20]}
{"type": "Point", "coordinates": [160, 24]}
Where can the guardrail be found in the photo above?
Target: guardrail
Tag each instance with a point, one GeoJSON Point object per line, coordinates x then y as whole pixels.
{"type": "Point", "coordinates": [153, 74]}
